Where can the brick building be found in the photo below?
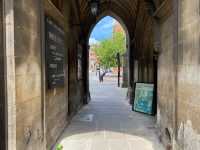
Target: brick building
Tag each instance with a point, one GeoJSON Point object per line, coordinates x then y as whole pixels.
{"type": "Point", "coordinates": [117, 27]}
{"type": "Point", "coordinates": [93, 60]}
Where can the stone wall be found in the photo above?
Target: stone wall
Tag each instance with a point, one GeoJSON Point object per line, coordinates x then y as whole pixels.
{"type": "Point", "coordinates": [143, 52]}
{"type": "Point", "coordinates": [9, 68]}
{"type": "Point", "coordinates": [2, 85]}
{"type": "Point", "coordinates": [166, 80]}
{"type": "Point", "coordinates": [178, 77]}
{"type": "Point", "coordinates": [56, 103]}
{"type": "Point", "coordinates": [75, 85]}
{"type": "Point", "coordinates": [76, 38]}
{"type": "Point", "coordinates": [41, 113]}
{"type": "Point", "coordinates": [188, 105]}
{"type": "Point", "coordinates": [74, 99]}
{"type": "Point", "coordinates": [29, 131]}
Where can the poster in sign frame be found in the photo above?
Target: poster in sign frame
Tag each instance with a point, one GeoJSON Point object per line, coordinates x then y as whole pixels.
{"type": "Point", "coordinates": [144, 101]}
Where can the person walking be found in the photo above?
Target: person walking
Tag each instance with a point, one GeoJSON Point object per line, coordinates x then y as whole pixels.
{"type": "Point", "coordinates": [102, 76]}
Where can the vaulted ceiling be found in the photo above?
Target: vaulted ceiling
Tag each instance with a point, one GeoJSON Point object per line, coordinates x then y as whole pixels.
{"type": "Point", "coordinates": [133, 13]}
{"type": "Point", "coordinates": [136, 15]}
{"type": "Point", "coordinates": [127, 10]}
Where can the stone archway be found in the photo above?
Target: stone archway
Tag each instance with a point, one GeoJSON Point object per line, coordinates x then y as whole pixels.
{"type": "Point", "coordinates": [137, 22]}
{"type": "Point", "coordinates": [126, 31]}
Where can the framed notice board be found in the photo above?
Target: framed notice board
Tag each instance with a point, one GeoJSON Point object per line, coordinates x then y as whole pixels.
{"type": "Point", "coordinates": [144, 98]}
{"type": "Point", "coordinates": [55, 53]}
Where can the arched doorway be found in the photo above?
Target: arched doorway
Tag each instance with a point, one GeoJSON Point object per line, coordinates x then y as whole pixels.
{"type": "Point", "coordinates": [109, 51]}
{"type": "Point", "coordinates": [107, 114]}
{"type": "Point", "coordinates": [125, 58]}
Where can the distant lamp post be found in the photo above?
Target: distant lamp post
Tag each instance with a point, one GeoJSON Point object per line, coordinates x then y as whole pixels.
{"type": "Point", "coordinates": [94, 6]}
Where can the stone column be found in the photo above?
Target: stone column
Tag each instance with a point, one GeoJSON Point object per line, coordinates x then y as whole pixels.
{"type": "Point", "coordinates": [28, 74]}
{"type": "Point", "coordinates": [131, 73]}
{"type": "Point", "coordinates": [125, 70]}
{"type": "Point", "coordinates": [86, 73]}
{"type": "Point", "coordinates": [9, 60]}
{"type": "Point", "coordinates": [3, 104]}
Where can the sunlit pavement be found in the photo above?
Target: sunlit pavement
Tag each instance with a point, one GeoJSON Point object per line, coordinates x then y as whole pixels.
{"type": "Point", "coordinates": [108, 123]}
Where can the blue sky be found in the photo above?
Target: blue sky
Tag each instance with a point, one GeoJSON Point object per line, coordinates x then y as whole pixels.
{"type": "Point", "coordinates": [103, 30]}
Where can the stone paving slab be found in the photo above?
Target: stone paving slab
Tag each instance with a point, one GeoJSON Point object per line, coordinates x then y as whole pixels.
{"type": "Point", "coordinates": [108, 123]}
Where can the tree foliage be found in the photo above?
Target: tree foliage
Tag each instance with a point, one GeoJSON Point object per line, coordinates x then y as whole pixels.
{"type": "Point", "coordinates": [107, 50]}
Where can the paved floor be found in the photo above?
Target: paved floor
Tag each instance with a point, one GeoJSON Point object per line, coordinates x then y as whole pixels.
{"type": "Point", "coordinates": [108, 123]}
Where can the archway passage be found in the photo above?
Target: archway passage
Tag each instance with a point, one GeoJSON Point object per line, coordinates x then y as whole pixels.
{"type": "Point", "coordinates": [138, 25]}
{"type": "Point", "coordinates": [108, 121]}
{"type": "Point", "coordinates": [44, 62]}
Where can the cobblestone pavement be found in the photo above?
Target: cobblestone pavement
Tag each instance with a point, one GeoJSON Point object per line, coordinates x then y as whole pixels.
{"type": "Point", "coordinates": [108, 123]}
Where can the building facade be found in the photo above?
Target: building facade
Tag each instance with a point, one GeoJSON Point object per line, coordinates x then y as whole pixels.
{"type": "Point", "coordinates": [94, 62]}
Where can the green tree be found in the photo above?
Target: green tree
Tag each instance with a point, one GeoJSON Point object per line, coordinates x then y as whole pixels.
{"type": "Point", "coordinates": [107, 50]}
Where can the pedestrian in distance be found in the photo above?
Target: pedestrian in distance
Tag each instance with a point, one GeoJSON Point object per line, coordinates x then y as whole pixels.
{"type": "Point", "coordinates": [102, 76]}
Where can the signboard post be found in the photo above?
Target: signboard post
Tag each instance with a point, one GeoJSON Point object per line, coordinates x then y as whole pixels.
{"type": "Point", "coordinates": [55, 54]}
{"type": "Point", "coordinates": [144, 98]}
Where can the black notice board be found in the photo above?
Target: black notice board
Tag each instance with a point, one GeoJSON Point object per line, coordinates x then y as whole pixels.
{"type": "Point", "coordinates": [55, 53]}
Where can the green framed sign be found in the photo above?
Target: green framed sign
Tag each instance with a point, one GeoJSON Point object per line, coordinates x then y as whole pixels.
{"type": "Point", "coordinates": [144, 98]}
